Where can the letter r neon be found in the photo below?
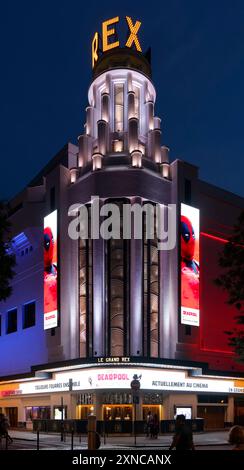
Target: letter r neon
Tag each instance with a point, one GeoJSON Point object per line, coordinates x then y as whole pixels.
{"type": "Point", "coordinates": [94, 49]}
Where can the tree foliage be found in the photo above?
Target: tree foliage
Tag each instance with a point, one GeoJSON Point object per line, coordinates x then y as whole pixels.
{"type": "Point", "coordinates": [232, 281]}
{"type": "Point", "coordinates": [7, 260]}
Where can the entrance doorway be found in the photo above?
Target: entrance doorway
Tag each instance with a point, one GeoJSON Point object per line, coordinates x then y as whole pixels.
{"type": "Point", "coordinates": [155, 409]}
{"type": "Point", "coordinates": [214, 416]}
{"type": "Point", "coordinates": [117, 412]}
{"type": "Point", "coordinates": [83, 411]}
{"type": "Point", "coordinates": [12, 414]}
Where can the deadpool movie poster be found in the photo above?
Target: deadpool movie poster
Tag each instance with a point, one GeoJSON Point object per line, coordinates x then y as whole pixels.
{"type": "Point", "coordinates": [190, 269]}
{"type": "Point", "coordinates": [50, 271]}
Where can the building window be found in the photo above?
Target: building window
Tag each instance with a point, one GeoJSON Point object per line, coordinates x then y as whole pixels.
{"type": "Point", "coordinates": [85, 399]}
{"type": "Point", "coordinates": [119, 107]}
{"type": "Point", "coordinates": [220, 399]}
{"type": "Point", "coordinates": [116, 398]}
{"type": "Point", "coordinates": [37, 412]}
{"type": "Point", "coordinates": [29, 315]}
{"type": "Point", "coordinates": [11, 321]}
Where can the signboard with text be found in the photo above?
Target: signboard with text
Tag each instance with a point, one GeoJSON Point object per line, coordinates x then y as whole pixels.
{"type": "Point", "coordinates": [121, 378]}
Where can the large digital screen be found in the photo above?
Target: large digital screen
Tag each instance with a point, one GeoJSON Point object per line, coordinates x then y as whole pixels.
{"type": "Point", "coordinates": [190, 269]}
{"type": "Point", "coordinates": [50, 271]}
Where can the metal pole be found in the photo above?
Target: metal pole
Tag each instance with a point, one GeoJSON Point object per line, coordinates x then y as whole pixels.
{"type": "Point", "coordinates": [62, 419]}
{"type": "Point", "coordinates": [72, 439]}
{"type": "Point", "coordinates": [135, 424]}
{"type": "Point", "coordinates": [104, 430]}
{"type": "Point", "coordinates": [37, 440]}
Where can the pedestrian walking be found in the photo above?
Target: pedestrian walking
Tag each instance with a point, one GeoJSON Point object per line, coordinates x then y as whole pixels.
{"type": "Point", "coordinates": [236, 437]}
{"type": "Point", "coordinates": [155, 426]}
{"type": "Point", "coordinates": [182, 439]}
{"type": "Point", "coordinates": [149, 423]}
{"type": "Point", "coordinates": [4, 427]}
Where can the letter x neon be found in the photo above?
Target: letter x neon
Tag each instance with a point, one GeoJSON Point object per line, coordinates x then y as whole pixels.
{"type": "Point", "coordinates": [133, 33]}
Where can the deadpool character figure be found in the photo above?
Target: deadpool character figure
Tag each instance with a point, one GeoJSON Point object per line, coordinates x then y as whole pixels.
{"type": "Point", "coordinates": [189, 266]}
{"type": "Point", "coordinates": [50, 273]}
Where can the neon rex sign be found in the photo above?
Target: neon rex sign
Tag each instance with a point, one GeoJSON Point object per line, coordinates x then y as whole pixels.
{"type": "Point", "coordinates": [109, 39]}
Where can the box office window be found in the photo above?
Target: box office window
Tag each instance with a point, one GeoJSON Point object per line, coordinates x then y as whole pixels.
{"type": "Point", "coordinates": [37, 412]}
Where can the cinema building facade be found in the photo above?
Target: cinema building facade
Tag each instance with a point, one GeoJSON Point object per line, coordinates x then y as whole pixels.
{"type": "Point", "coordinates": [120, 308]}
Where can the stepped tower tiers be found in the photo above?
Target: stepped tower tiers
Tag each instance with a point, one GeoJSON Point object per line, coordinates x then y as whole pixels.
{"type": "Point", "coordinates": [120, 118]}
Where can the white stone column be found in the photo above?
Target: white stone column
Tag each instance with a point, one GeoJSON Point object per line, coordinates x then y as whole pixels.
{"type": "Point", "coordinates": [102, 138]}
{"type": "Point", "coordinates": [136, 292]}
{"type": "Point", "coordinates": [133, 134]}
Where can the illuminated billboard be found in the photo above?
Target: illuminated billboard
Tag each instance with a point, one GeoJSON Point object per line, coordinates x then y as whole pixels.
{"type": "Point", "coordinates": [104, 378]}
{"type": "Point", "coordinates": [190, 308]}
{"type": "Point", "coordinates": [50, 271]}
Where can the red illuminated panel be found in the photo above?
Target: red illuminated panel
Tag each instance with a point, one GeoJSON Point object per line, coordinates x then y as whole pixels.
{"type": "Point", "coordinates": [190, 309]}
{"type": "Point", "coordinates": [50, 271]}
{"type": "Point", "coordinates": [217, 315]}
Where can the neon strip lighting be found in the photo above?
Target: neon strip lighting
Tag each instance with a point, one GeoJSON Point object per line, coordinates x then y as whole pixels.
{"type": "Point", "coordinates": [213, 237]}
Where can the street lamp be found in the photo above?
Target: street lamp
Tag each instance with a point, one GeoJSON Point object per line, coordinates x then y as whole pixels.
{"type": "Point", "coordinates": [135, 389]}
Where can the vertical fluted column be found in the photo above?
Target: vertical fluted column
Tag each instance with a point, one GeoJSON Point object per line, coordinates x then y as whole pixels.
{"type": "Point", "coordinates": [85, 149]}
{"type": "Point", "coordinates": [165, 166]}
{"type": "Point", "coordinates": [149, 109]}
{"type": "Point", "coordinates": [136, 296]}
{"type": "Point", "coordinates": [105, 101]}
{"type": "Point", "coordinates": [102, 136]}
{"type": "Point", "coordinates": [129, 82]}
{"type": "Point", "coordinates": [98, 257]}
{"type": "Point", "coordinates": [164, 299]}
{"type": "Point", "coordinates": [132, 134]}
{"type": "Point", "coordinates": [157, 145]}
{"type": "Point", "coordinates": [90, 120]}
{"type": "Point", "coordinates": [131, 104]}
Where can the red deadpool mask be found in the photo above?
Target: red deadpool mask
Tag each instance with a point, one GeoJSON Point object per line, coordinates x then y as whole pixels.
{"type": "Point", "coordinates": [48, 247]}
{"type": "Point", "coordinates": [187, 239]}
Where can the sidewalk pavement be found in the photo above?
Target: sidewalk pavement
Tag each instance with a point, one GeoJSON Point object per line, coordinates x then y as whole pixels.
{"type": "Point", "coordinates": [200, 439]}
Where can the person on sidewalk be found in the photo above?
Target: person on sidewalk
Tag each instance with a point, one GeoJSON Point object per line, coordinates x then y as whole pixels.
{"type": "Point", "coordinates": [236, 437]}
{"type": "Point", "coordinates": [4, 427]}
{"type": "Point", "coordinates": [155, 427]}
{"type": "Point", "coordinates": [149, 423]}
{"type": "Point", "coordinates": [182, 439]}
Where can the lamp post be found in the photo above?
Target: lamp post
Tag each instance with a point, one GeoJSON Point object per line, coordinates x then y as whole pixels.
{"type": "Point", "coordinates": [135, 389]}
{"type": "Point", "coordinates": [62, 419]}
